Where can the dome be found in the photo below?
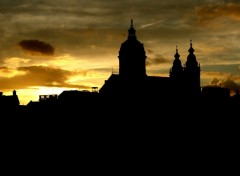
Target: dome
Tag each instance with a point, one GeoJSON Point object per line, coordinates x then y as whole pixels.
{"type": "Point", "coordinates": [132, 56]}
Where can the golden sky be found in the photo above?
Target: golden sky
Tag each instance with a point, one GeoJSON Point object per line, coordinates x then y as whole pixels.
{"type": "Point", "coordinates": [50, 46]}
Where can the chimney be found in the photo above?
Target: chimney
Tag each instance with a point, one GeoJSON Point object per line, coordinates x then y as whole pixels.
{"type": "Point", "coordinates": [1, 94]}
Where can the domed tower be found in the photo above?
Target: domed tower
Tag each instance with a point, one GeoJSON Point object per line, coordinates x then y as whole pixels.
{"type": "Point", "coordinates": [176, 72]}
{"type": "Point", "coordinates": [192, 73]}
{"type": "Point", "coordinates": [132, 57]}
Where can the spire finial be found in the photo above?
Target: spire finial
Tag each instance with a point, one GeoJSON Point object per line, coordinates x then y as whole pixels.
{"type": "Point", "coordinates": [176, 55]}
{"type": "Point", "coordinates": [191, 50]}
{"type": "Point", "coordinates": [131, 31]}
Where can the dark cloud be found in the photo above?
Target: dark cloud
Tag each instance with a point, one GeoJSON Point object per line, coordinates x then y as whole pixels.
{"type": "Point", "coordinates": [39, 76]}
{"type": "Point", "coordinates": [159, 59]}
{"type": "Point", "coordinates": [95, 7]}
{"type": "Point", "coordinates": [75, 26]}
{"type": "Point", "coordinates": [37, 47]}
{"type": "Point", "coordinates": [215, 81]}
{"type": "Point", "coordinates": [231, 84]}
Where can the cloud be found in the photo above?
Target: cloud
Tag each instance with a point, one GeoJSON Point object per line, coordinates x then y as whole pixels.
{"type": "Point", "coordinates": [158, 59]}
{"type": "Point", "coordinates": [149, 51]}
{"type": "Point", "coordinates": [6, 72]}
{"type": "Point", "coordinates": [36, 47]}
{"type": "Point", "coordinates": [231, 84]}
{"type": "Point", "coordinates": [208, 13]}
{"type": "Point", "coordinates": [215, 81]}
{"type": "Point", "coordinates": [39, 76]}
{"type": "Point", "coordinates": [215, 74]}
{"type": "Point", "coordinates": [4, 69]}
{"type": "Point", "coordinates": [14, 62]}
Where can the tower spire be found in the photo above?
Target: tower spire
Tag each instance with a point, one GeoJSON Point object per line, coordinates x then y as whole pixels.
{"type": "Point", "coordinates": [177, 69]}
{"type": "Point", "coordinates": [192, 73]}
{"type": "Point", "coordinates": [132, 31]}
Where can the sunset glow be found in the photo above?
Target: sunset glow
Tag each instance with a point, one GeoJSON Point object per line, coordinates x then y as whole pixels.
{"type": "Point", "coordinates": [47, 47]}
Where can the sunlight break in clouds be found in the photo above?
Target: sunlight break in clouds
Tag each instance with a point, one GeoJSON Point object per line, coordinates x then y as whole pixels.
{"type": "Point", "coordinates": [32, 93]}
{"type": "Point", "coordinates": [15, 62]}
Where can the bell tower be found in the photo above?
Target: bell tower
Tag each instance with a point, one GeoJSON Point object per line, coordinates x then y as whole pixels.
{"type": "Point", "coordinates": [132, 57]}
{"type": "Point", "coordinates": [192, 73]}
{"type": "Point", "coordinates": [176, 72]}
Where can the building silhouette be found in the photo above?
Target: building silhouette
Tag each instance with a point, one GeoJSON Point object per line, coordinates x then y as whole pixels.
{"type": "Point", "coordinates": [132, 80]}
{"type": "Point", "coordinates": [9, 103]}
{"type": "Point", "coordinates": [46, 103]}
{"type": "Point", "coordinates": [69, 101]}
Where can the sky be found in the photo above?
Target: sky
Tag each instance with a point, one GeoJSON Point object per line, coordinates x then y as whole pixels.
{"type": "Point", "coordinates": [47, 47]}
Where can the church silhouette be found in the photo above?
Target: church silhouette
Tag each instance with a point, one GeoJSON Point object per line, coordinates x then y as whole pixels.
{"type": "Point", "coordinates": [180, 94]}
{"type": "Point", "coordinates": [133, 82]}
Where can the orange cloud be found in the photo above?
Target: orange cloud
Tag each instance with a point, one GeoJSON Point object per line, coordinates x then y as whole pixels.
{"type": "Point", "coordinates": [8, 72]}
{"type": "Point", "coordinates": [39, 76]}
{"type": "Point", "coordinates": [212, 74]}
{"type": "Point", "coordinates": [207, 13]}
{"type": "Point", "coordinates": [223, 79]}
{"type": "Point", "coordinates": [14, 62]}
{"type": "Point", "coordinates": [4, 70]}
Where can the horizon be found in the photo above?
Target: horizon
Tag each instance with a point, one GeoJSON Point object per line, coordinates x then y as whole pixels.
{"type": "Point", "coordinates": [50, 47]}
